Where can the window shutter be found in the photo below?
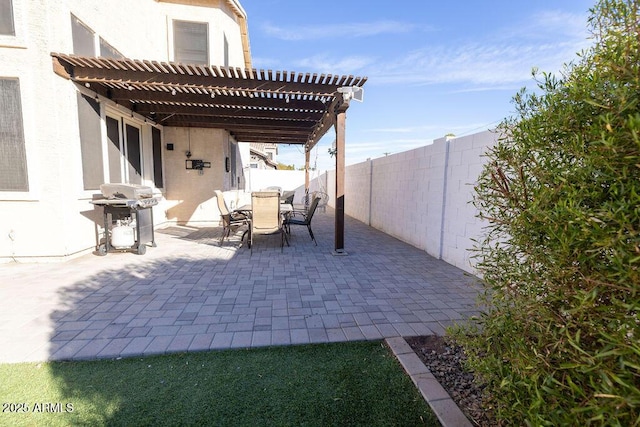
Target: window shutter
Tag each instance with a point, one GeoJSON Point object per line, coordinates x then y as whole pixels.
{"type": "Point", "coordinates": [7, 26]}
{"type": "Point", "coordinates": [83, 38]}
{"type": "Point", "coordinates": [191, 42]}
{"type": "Point", "coordinates": [90, 142]}
{"type": "Point", "coordinates": [13, 158]}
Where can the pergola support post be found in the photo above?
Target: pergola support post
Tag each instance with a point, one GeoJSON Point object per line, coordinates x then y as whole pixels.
{"type": "Point", "coordinates": [307, 157]}
{"type": "Point", "coordinates": [340, 126]}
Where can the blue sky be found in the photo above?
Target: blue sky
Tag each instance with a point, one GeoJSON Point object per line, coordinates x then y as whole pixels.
{"type": "Point", "coordinates": [433, 67]}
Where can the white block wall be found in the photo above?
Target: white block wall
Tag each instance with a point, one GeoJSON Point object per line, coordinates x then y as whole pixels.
{"type": "Point", "coordinates": [359, 177]}
{"type": "Point", "coordinates": [460, 223]}
{"type": "Point", "coordinates": [422, 196]}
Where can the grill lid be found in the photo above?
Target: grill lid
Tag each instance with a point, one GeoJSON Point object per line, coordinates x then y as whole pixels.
{"type": "Point", "coordinates": [126, 191]}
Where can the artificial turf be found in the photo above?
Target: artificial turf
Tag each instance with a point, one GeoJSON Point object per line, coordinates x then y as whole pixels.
{"type": "Point", "coordinates": [350, 384]}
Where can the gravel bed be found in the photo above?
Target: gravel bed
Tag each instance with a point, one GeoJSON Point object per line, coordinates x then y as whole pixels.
{"type": "Point", "coordinates": [446, 363]}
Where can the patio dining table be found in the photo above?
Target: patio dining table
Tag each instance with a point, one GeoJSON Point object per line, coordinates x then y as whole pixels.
{"type": "Point", "coordinates": [285, 208]}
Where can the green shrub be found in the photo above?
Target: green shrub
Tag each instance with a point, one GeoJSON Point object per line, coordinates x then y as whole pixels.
{"type": "Point", "coordinates": [559, 341]}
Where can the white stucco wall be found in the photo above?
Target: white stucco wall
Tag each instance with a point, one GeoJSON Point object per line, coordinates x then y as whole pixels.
{"type": "Point", "coordinates": [54, 219]}
{"type": "Point", "coordinates": [190, 193]}
{"type": "Point", "coordinates": [288, 180]}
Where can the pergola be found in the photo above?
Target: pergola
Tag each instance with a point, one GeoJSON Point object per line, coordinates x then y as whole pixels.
{"type": "Point", "coordinates": [252, 105]}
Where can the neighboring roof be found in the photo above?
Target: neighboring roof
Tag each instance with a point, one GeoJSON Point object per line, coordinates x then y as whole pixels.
{"type": "Point", "coordinates": [253, 105]}
{"type": "Point", "coordinates": [264, 157]}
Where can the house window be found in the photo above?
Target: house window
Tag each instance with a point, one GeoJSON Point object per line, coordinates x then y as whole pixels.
{"type": "Point", "coordinates": [83, 38]}
{"type": "Point", "coordinates": [125, 153]}
{"type": "Point", "coordinates": [226, 51]}
{"type": "Point", "coordinates": [191, 42]}
{"type": "Point", "coordinates": [156, 138]}
{"type": "Point", "coordinates": [133, 154]}
{"type": "Point", "coordinates": [13, 158]}
{"type": "Point", "coordinates": [114, 149]}
{"type": "Point", "coordinates": [108, 51]}
{"type": "Point", "coordinates": [7, 26]}
{"type": "Point", "coordinates": [233, 159]}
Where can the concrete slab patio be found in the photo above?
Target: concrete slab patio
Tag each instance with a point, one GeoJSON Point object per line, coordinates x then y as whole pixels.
{"type": "Point", "coordinates": [190, 294]}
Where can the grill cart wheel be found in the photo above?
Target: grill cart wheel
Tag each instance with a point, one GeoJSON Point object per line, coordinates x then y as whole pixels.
{"type": "Point", "coordinates": [142, 249]}
{"type": "Point", "coordinates": [102, 250]}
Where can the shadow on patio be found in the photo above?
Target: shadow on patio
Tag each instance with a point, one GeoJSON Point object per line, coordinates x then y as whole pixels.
{"type": "Point", "coordinates": [190, 294]}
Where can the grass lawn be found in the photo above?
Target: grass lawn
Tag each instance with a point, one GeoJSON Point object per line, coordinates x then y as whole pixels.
{"type": "Point", "coordinates": [350, 384]}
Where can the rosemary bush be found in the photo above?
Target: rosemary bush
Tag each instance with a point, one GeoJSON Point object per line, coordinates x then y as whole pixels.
{"type": "Point", "coordinates": [559, 343]}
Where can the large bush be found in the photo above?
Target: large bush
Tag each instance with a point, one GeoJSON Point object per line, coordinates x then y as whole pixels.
{"type": "Point", "coordinates": [559, 341]}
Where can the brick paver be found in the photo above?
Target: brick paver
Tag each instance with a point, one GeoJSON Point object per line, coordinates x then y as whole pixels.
{"type": "Point", "coordinates": [190, 294]}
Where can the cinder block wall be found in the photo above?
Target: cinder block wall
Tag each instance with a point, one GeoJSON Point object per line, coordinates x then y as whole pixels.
{"type": "Point", "coordinates": [422, 196]}
{"type": "Point", "coordinates": [460, 224]}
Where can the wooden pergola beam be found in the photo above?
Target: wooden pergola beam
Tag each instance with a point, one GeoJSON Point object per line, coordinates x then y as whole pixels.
{"type": "Point", "coordinates": [311, 104]}
{"type": "Point", "coordinates": [244, 122]}
{"type": "Point", "coordinates": [340, 127]}
{"type": "Point", "coordinates": [252, 105]}
{"type": "Point", "coordinates": [229, 112]}
{"type": "Point", "coordinates": [210, 79]}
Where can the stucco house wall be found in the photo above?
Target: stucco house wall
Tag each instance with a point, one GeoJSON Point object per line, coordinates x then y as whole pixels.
{"type": "Point", "coordinates": [54, 219]}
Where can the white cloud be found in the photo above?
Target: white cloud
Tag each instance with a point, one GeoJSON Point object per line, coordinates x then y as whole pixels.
{"type": "Point", "coordinates": [406, 129]}
{"type": "Point", "coordinates": [320, 63]}
{"type": "Point", "coordinates": [550, 25]}
{"type": "Point", "coordinates": [323, 63]}
{"type": "Point", "coordinates": [361, 29]}
{"type": "Point", "coordinates": [499, 60]}
{"type": "Point", "coordinates": [502, 59]}
{"type": "Point", "coordinates": [265, 62]}
{"type": "Point", "coordinates": [496, 65]}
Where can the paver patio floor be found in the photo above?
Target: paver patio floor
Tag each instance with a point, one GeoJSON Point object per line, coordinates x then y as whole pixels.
{"type": "Point", "coordinates": [190, 294]}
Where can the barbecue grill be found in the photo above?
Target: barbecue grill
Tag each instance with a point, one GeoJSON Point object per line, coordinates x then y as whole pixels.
{"type": "Point", "coordinates": [128, 218]}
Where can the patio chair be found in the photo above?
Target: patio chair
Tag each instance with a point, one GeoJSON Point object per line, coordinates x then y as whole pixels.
{"type": "Point", "coordinates": [303, 208]}
{"type": "Point", "coordinates": [304, 220]}
{"type": "Point", "coordinates": [324, 200]}
{"type": "Point", "coordinates": [265, 217]}
{"type": "Point", "coordinates": [287, 197]}
{"type": "Point", "coordinates": [230, 220]}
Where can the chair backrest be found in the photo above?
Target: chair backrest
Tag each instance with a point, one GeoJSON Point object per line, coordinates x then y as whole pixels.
{"type": "Point", "coordinates": [265, 212]}
{"type": "Point", "coordinates": [287, 197]}
{"type": "Point", "coordinates": [312, 210]}
{"type": "Point", "coordinates": [222, 205]}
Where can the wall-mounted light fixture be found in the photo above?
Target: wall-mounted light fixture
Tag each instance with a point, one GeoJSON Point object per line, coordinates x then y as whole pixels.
{"type": "Point", "coordinates": [352, 92]}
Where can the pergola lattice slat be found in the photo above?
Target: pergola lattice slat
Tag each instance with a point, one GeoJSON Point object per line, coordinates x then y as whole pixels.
{"type": "Point", "coordinates": [251, 104]}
